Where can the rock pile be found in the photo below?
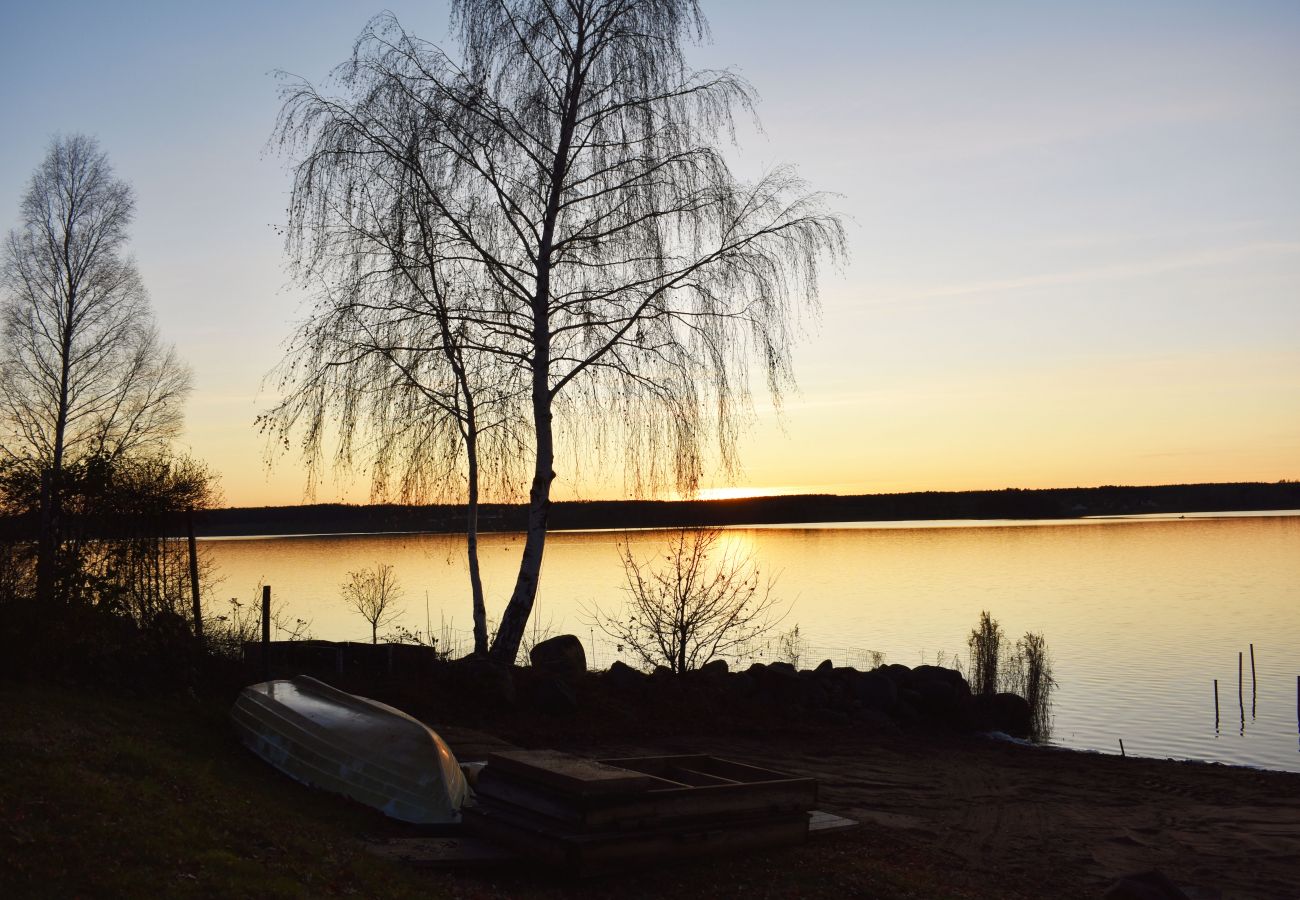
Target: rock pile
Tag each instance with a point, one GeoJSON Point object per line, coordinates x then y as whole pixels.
{"type": "Point", "coordinates": [895, 693]}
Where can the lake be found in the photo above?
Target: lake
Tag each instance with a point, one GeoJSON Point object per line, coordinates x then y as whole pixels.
{"type": "Point", "coordinates": [1141, 615]}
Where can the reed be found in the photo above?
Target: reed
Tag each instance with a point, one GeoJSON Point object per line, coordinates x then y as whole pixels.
{"type": "Point", "coordinates": [985, 650]}
{"type": "Point", "coordinates": [1026, 670]}
{"type": "Point", "coordinates": [1033, 669]}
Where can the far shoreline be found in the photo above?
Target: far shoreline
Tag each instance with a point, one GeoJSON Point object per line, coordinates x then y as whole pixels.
{"type": "Point", "coordinates": [881, 525]}
{"type": "Point", "coordinates": [1009, 505]}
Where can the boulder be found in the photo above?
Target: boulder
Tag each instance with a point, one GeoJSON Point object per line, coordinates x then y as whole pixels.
{"type": "Point", "coordinates": [562, 655]}
{"type": "Point", "coordinates": [938, 699]}
{"type": "Point", "coordinates": [827, 667]}
{"type": "Point", "coordinates": [875, 691]}
{"type": "Point", "coordinates": [875, 722]}
{"type": "Point", "coordinates": [939, 673]}
{"type": "Point", "coordinates": [741, 685]}
{"type": "Point", "coordinates": [779, 683]}
{"type": "Point", "coordinates": [552, 694]}
{"type": "Point", "coordinates": [714, 667]}
{"type": "Point", "coordinates": [485, 680]}
{"type": "Point", "coordinates": [897, 673]}
{"type": "Point", "coordinates": [1008, 713]}
{"type": "Point", "coordinates": [906, 709]}
{"type": "Point", "coordinates": [625, 678]}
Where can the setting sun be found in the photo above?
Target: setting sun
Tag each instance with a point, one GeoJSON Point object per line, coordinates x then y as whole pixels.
{"type": "Point", "coordinates": [737, 493]}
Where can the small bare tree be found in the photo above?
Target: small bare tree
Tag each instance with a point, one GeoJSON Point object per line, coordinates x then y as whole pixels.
{"type": "Point", "coordinates": [82, 371]}
{"type": "Point", "coordinates": [375, 593]}
{"type": "Point", "coordinates": [697, 602]}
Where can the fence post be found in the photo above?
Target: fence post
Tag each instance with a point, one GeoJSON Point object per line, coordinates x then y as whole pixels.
{"type": "Point", "coordinates": [266, 632]}
{"type": "Point", "coordinates": [194, 576]}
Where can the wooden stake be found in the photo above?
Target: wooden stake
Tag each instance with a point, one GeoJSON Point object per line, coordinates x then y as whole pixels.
{"type": "Point", "coordinates": [266, 632]}
{"type": "Point", "coordinates": [194, 577]}
{"type": "Point", "coordinates": [1254, 686]}
{"type": "Point", "coordinates": [1240, 697]}
{"type": "Point", "coordinates": [1121, 747]}
{"type": "Point", "coordinates": [1216, 705]}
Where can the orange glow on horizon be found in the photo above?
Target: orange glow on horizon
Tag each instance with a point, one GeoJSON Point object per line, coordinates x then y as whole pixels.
{"type": "Point", "coordinates": [739, 493]}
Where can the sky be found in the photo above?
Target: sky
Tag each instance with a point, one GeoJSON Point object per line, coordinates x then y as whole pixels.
{"type": "Point", "coordinates": [1074, 229]}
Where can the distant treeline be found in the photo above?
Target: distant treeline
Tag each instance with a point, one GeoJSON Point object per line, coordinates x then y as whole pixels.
{"type": "Point", "coordinates": [1012, 503]}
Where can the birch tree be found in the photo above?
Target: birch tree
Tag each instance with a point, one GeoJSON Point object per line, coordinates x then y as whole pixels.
{"type": "Point", "coordinates": [574, 164]}
{"type": "Point", "coordinates": [82, 372]}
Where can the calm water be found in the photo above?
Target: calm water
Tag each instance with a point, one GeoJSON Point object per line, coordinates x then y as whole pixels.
{"type": "Point", "coordinates": [1140, 614]}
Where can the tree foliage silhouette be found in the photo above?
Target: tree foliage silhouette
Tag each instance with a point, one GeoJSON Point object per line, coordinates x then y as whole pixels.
{"type": "Point", "coordinates": [618, 278]}
{"type": "Point", "coordinates": [82, 373]}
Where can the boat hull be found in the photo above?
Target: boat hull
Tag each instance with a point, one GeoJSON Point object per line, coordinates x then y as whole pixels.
{"type": "Point", "coordinates": [354, 746]}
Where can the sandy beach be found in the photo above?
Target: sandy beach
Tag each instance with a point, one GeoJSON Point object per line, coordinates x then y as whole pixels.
{"type": "Point", "coordinates": [989, 817]}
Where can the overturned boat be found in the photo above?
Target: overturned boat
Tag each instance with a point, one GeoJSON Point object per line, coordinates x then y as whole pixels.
{"type": "Point", "coordinates": [351, 745]}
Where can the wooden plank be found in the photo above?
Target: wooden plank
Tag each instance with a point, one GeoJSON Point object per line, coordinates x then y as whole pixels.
{"type": "Point", "coordinates": [590, 853]}
{"type": "Point", "coordinates": [709, 765]}
{"type": "Point", "coordinates": [632, 811]}
{"type": "Point", "coordinates": [572, 774]}
{"type": "Point", "coordinates": [695, 778]}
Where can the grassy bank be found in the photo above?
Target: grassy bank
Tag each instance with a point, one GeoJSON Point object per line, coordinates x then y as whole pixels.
{"type": "Point", "coordinates": [112, 794]}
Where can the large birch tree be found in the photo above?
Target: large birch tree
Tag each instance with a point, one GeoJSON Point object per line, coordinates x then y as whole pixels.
{"type": "Point", "coordinates": [615, 268]}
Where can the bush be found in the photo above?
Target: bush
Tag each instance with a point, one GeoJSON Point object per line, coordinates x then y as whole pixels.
{"type": "Point", "coordinates": [1026, 671]}
{"type": "Point", "coordinates": [698, 602]}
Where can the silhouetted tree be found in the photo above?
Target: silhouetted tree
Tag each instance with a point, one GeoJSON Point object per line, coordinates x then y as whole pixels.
{"type": "Point", "coordinates": [392, 355]}
{"type": "Point", "coordinates": [698, 602]}
{"type": "Point", "coordinates": [375, 594]}
{"type": "Point", "coordinates": [82, 371]}
{"type": "Point", "coordinates": [571, 160]}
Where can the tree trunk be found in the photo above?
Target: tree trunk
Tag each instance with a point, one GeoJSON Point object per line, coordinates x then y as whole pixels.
{"type": "Point", "coordinates": [510, 634]}
{"type": "Point", "coordinates": [471, 543]}
{"type": "Point", "coordinates": [46, 542]}
{"type": "Point", "coordinates": [49, 540]}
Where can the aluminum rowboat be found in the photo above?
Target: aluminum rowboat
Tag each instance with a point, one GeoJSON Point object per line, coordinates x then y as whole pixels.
{"type": "Point", "coordinates": [354, 746]}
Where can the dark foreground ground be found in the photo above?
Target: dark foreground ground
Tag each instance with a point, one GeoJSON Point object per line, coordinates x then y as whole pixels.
{"type": "Point", "coordinates": [124, 795]}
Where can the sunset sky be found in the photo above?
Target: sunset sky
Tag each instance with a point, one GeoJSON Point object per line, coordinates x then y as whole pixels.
{"type": "Point", "coordinates": [1074, 233]}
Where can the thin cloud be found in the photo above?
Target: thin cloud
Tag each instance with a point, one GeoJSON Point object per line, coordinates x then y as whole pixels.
{"type": "Point", "coordinates": [1117, 272]}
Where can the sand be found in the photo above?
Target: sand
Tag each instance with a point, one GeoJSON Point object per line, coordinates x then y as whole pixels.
{"type": "Point", "coordinates": [994, 818]}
